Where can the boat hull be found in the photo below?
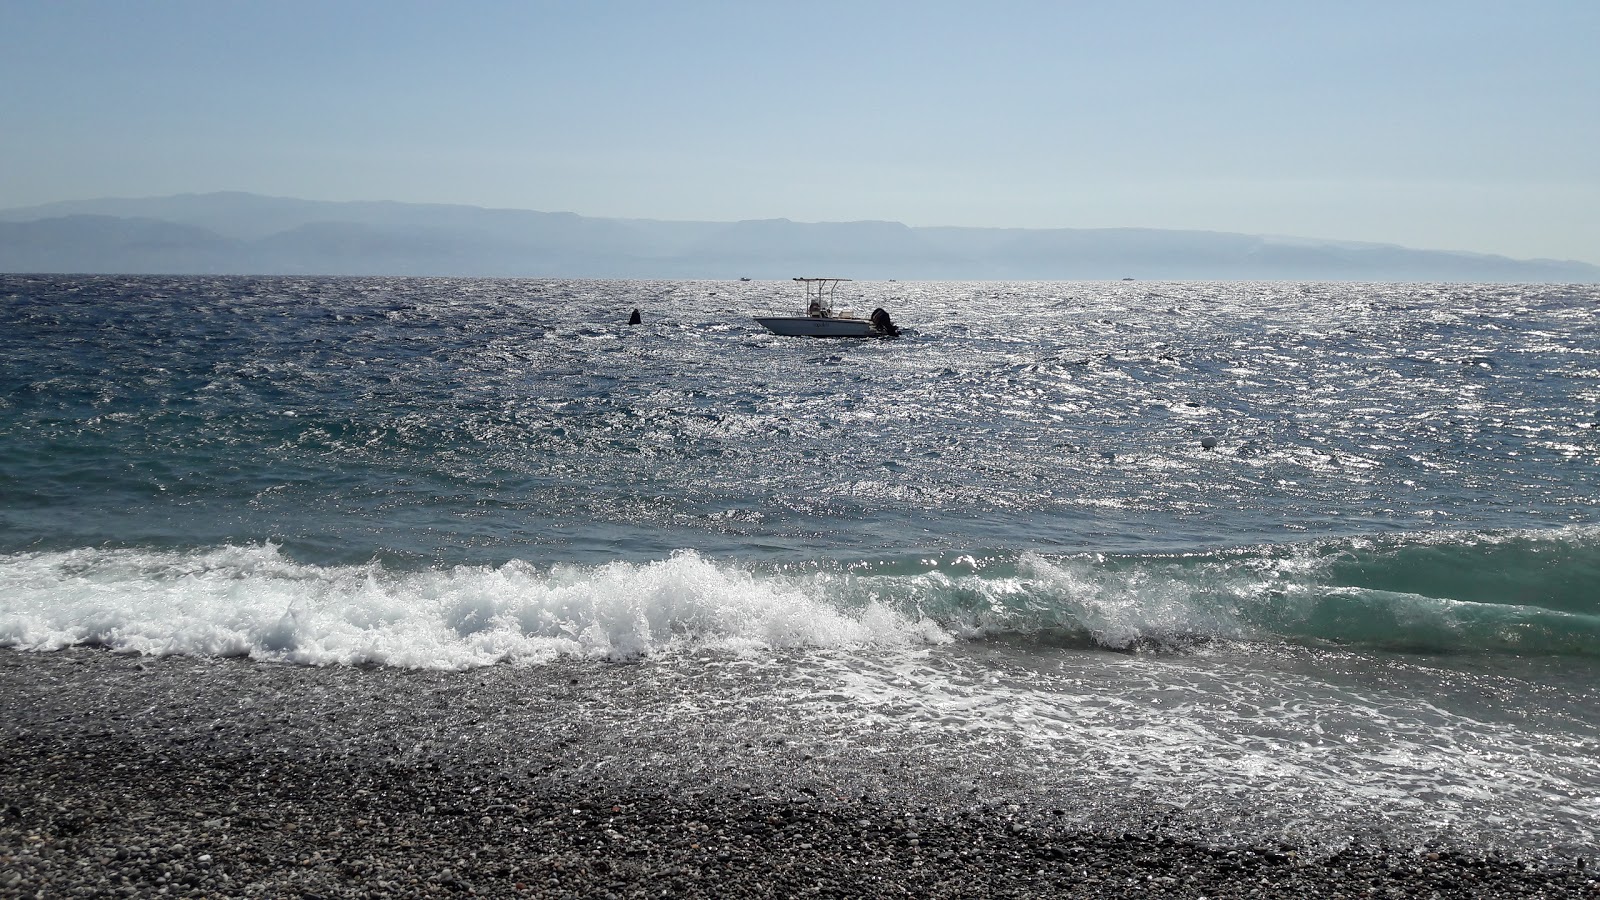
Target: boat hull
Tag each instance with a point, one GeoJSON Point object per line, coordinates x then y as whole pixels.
{"type": "Point", "coordinates": [819, 326]}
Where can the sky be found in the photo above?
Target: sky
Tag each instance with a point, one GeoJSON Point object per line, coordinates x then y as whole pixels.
{"type": "Point", "coordinates": [1458, 125]}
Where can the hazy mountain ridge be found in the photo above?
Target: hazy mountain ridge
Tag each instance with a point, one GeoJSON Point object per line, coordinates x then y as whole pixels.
{"type": "Point", "coordinates": [236, 233]}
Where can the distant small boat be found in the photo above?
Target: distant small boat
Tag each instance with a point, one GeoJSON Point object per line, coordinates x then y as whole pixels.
{"type": "Point", "coordinates": [821, 320]}
{"type": "Point", "coordinates": [742, 278]}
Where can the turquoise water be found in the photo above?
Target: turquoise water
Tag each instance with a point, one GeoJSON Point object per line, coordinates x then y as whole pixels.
{"type": "Point", "coordinates": [1390, 549]}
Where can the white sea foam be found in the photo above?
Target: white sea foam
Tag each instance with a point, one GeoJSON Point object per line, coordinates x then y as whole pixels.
{"type": "Point", "coordinates": [252, 601]}
{"type": "Point", "coordinates": [1120, 610]}
{"type": "Point", "coordinates": [1338, 746]}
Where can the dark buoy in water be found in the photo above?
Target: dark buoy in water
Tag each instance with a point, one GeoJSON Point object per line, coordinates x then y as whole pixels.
{"type": "Point", "coordinates": [1208, 443]}
{"type": "Point", "coordinates": [634, 319]}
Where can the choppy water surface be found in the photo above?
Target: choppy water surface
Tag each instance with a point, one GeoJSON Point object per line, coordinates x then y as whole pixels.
{"type": "Point", "coordinates": [1378, 592]}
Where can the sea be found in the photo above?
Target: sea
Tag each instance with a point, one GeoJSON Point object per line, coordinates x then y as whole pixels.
{"type": "Point", "coordinates": [1320, 560]}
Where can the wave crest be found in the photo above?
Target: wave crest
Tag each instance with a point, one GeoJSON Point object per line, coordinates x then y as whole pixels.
{"type": "Point", "coordinates": [1521, 592]}
{"type": "Point", "coordinates": [252, 601]}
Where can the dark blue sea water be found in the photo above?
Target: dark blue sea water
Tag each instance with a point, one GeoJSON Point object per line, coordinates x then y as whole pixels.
{"type": "Point", "coordinates": [1374, 599]}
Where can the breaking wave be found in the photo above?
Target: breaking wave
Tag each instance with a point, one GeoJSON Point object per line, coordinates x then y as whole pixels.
{"type": "Point", "coordinates": [1524, 592]}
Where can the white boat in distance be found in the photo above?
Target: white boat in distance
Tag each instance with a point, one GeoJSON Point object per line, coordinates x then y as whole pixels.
{"type": "Point", "coordinates": [821, 320]}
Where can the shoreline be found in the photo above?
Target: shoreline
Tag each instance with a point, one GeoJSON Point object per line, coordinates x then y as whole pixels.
{"type": "Point", "coordinates": [130, 776]}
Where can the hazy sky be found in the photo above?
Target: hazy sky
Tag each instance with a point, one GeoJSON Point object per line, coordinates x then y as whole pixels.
{"type": "Point", "coordinates": [1446, 124]}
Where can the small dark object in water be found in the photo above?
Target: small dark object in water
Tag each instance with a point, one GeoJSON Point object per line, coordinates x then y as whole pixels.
{"type": "Point", "coordinates": [634, 319]}
{"type": "Point", "coordinates": [882, 324]}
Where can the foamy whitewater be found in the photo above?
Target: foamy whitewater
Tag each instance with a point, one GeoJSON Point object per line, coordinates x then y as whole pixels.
{"type": "Point", "coordinates": [1321, 559]}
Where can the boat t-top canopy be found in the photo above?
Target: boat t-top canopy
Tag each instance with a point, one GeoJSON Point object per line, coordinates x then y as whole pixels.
{"type": "Point", "coordinates": [819, 291]}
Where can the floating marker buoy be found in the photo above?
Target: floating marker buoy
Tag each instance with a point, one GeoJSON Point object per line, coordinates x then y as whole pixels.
{"type": "Point", "coordinates": [634, 319]}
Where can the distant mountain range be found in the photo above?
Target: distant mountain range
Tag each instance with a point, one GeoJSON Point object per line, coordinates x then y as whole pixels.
{"type": "Point", "coordinates": [248, 234]}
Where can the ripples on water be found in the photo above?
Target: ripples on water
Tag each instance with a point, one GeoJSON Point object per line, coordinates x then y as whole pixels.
{"type": "Point", "coordinates": [476, 420]}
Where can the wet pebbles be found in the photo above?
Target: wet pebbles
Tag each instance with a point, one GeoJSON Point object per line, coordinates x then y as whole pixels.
{"type": "Point", "coordinates": [139, 777]}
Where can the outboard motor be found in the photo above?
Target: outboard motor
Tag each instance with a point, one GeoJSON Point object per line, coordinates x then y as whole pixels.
{"type": "Point", "coordinates": [882, 324]}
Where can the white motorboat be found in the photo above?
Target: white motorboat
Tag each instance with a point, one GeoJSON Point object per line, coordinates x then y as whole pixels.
{"type": "Point", "coordinates": [822, 320]}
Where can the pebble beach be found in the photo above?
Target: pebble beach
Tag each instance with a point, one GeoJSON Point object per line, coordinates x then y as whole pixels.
{"type": "Point", "coordinates": [141, 776]}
